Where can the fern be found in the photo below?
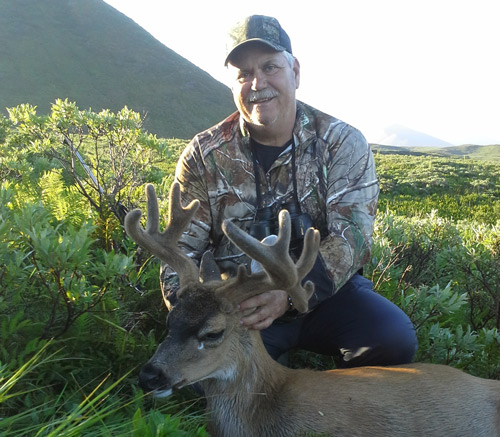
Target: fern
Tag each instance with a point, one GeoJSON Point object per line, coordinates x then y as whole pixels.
{"type": "Point", "coordinates": [65, 203]}
{"type": "Point", "coordinates": [53, 193]}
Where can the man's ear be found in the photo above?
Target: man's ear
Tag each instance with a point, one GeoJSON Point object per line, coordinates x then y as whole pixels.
{"type": "Point", "coordinates": [296, 71]}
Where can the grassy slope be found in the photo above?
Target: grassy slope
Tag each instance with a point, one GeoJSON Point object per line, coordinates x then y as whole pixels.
{"type": "Point", "coordinates": [491, 152]}
{"type": "Point", "coordinates": [467, 151]}
{"type": "Point", "coordinates": [94, 55]}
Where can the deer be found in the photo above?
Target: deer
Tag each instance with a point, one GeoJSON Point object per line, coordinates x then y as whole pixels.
{"type": "Point", "coordinates": [250, 394]}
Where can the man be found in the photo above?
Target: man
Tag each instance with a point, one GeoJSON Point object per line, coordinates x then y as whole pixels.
{"type": "Point", "coordinates": [274, 153]}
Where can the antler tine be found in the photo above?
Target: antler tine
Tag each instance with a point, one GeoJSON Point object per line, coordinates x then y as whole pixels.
{"type": "Point", "coordinates": [164, 245]}
{"type": "Point", "coordinates": [310, 249]}
{"type": "Point", "coordinates": [281, 271]}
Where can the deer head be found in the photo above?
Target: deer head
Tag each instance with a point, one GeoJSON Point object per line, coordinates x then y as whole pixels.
{"type": "Point", "coordinates": [204, 332]}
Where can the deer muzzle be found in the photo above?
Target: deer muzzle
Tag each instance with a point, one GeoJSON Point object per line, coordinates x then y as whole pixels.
{"type": "Point", "coordinates": [153, 379]}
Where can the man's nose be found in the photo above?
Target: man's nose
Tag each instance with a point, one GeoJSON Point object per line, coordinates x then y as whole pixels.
{"type": "Point", "coordinates": [259, 81]}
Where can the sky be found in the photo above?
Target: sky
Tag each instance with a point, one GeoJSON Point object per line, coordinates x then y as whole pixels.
{"type": "Point", "coordinates": [430, 65]}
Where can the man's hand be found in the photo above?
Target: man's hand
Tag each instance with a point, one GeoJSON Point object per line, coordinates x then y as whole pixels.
{"type": "Point", "coordinates": [268, 307]}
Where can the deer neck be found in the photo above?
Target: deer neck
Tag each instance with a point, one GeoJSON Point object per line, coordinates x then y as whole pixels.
{"type": "Point", "coordinates": [246, 395]}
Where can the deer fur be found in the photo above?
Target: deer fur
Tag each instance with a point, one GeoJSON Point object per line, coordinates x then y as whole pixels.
{"type": "Point", "coordinates": [249, 394]}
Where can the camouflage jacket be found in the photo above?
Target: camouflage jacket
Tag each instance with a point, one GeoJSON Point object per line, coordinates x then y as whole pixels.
{"type": "Point", "coordinates": [336, 183]}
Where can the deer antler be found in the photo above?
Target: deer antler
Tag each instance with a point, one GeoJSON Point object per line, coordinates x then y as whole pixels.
{"type": "Point", "coordinates": [164, 244]}
{"type": "Point", "coordinates": [282, 273]}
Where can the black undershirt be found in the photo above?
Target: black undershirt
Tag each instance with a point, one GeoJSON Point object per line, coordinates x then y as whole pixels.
{"type": "Point", "coordinates": [266, 155]}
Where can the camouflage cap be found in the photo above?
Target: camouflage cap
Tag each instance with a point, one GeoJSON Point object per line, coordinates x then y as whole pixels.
{"type": "Point", "coordinates": [258, 28]}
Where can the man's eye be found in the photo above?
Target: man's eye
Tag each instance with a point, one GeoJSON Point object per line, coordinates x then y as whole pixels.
{"type": "Point", "coordinates": [271, 68]}
{"type": "Point", "coordinates": [243, 75]}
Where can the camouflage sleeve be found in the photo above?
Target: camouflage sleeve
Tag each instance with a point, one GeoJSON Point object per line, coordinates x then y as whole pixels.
{"type": "Point", "coordinates": [352, 195]}
{"type": "Point", "coordinates": [190, 173]}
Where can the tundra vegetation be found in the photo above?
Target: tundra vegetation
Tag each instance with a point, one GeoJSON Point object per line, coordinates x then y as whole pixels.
{"type": "Point", "coordinates": [80, 304]}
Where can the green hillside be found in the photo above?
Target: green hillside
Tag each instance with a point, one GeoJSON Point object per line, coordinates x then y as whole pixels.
{"type": "Point", "coordinates": [491, 152]}
{"type": "Point", "coordinates": [466, 151]}
{"type": "Point", "coordinates": [90, 53]}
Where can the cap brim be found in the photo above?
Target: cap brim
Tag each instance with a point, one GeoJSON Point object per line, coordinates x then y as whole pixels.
{"type": "Point", "coordinates": [276, 47]}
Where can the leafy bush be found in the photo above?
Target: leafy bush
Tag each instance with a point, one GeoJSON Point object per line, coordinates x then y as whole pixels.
{"type": "Point", "coordinates": [74, 157]}
{"type": "Point", "coordinates": [444, 275]}
{"type": "Point", "coordinates": [68, 271]}
{"type": "Point", "coordinates": [476, 266]}
{"type": "Point", "coordinates": [51, 268]}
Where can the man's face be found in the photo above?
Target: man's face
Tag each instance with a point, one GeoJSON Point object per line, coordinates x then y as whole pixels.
{"type": "Point", "coordinates": [264, 85]}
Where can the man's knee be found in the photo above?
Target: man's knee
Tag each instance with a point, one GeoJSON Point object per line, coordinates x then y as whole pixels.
{"type": "Point", "coordinates": [381, 334]}
{"type": "Point", "coordinates": [399, 347]}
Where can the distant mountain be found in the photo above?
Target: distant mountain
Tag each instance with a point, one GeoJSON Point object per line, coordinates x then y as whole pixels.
{"type": "Point", "coordinates": [467, 151]}
{"type": "Point", "coordinates": [397, 135]}
{"type": "Point", "coordinates": [89, 52]}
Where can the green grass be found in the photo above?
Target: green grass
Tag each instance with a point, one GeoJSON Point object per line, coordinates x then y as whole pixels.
{"type": "Point", "coordinates": [105, 408]}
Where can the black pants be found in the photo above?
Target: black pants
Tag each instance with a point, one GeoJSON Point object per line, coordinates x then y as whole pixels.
{"type": "Point", "coordinates": [356, 324]}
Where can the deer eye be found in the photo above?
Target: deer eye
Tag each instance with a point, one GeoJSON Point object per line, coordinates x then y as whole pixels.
{"type": "Point", "coordinates": [211, 337]}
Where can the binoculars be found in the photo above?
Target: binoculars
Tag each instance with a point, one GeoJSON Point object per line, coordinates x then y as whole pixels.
{"type": "Point", "coordinates": [266, 223]}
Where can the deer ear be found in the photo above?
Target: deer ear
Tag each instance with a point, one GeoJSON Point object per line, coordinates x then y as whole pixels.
{"type": "Point", "coordinates": [209, 271]}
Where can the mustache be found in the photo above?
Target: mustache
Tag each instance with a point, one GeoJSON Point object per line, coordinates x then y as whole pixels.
{"type": "Point", "coordinates": [268, 93]}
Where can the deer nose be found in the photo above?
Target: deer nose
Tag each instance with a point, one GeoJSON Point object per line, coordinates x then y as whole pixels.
{"type": "Point", "coordinates": [151, 377]}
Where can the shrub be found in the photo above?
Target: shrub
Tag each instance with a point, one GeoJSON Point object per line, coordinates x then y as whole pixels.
{"type": "Point", "coordinates": [444, 275]}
